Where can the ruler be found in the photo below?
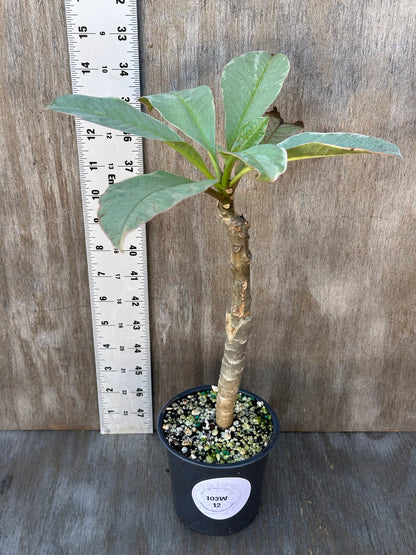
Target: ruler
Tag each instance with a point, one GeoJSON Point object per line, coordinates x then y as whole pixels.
{"type": "Point", "coordinates": [104, 60]}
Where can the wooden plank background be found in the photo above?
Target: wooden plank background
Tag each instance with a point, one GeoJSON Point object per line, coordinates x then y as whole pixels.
{"type": "Point", "coordinates": [333, 241]}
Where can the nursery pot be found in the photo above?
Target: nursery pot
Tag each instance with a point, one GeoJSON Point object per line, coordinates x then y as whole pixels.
{"type": "Point", "coordinates": [216, 499]}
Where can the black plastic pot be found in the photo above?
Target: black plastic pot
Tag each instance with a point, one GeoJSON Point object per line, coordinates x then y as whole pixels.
{"type": "Point", "coordinates": [216, 499]}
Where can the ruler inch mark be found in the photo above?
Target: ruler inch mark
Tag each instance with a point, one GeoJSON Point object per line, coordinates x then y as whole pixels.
{"type": "Point", "coordinates": [119, 344]}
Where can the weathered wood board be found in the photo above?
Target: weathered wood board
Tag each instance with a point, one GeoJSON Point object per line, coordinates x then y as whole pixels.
{"type": "Point", "coordinates": [79, 492]}
{"type": "Point", "coordinates": [333, 241]}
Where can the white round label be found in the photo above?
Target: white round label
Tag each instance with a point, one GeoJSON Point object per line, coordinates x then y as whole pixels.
{"type": "Point", "coordinates": [221, 498]}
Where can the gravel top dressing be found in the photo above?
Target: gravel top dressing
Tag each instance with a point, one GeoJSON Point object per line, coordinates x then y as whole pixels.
{"type": "Point", "coordinates": [189, 427]}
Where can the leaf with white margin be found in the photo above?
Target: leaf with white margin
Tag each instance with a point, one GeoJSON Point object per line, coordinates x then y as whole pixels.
{"type": "Point", "coordinates": [114, 113]}
{"type": "Point", "coordinates": [269, 161]}
{"type": "Point", "coordinates": [127, 204]}
{"type": "Point", "coordinates": [190, 110]}
{"type": "Point", "coordinates": [250, 83]}
{"type": "Point", "coordinates": [317, 145]}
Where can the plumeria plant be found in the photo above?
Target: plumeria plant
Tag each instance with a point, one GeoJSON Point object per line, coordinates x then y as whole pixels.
{"type": "Point", "coordinates": [257, 140]}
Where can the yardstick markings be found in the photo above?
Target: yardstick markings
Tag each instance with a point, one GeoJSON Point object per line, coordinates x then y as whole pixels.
{"type": "Point", "coordinates": [104, 60]}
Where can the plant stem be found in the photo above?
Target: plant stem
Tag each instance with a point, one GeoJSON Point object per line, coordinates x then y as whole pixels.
{"type": "Point", "coordinates": [227, 172]}
{"type": "Point", "coordinates": [216, 194]}
{"type": "Point", "coordinates": [237, 178]}
{"type": "Point", "coordinates": [238, 320]}
{"type": "Point", "coordinates": [216, 167]}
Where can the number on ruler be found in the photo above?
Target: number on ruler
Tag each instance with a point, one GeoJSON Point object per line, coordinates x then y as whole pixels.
{"type": "Point", "coordinates": [103, 45]}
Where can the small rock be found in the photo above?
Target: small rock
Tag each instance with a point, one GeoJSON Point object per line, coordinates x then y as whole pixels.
{"type": "Point", "coordinates": [189, 427]}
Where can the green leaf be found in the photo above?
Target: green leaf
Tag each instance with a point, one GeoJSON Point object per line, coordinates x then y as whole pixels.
{"type": "Point", "coordinates": [277, 130]}
{"type": "Point", "coordinates": [317, 145]}
{"type": "Point", "coordinates": [251, 134]}
{"type": "Point", "coordinates": [250, 83]}
{"type": "Point", "coordinates": [268, 160]}
{"type": "Point", "coordinates": [191, 154]}
{"type": "Point", "coordinates": [126, 205]}
{"type": "Point", "coordinates": [191, 110]}
{"type": "Point", "coordinates": [275, 135]}
{"type": "Point", "coordinates": [114, 113]}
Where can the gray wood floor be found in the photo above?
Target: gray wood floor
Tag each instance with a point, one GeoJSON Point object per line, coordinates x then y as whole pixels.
{"type": "Point", "coordinates": [80, 492]}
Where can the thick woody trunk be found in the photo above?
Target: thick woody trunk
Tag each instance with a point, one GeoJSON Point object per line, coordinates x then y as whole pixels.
{"type": "Point", "coordinates": [238, 320]}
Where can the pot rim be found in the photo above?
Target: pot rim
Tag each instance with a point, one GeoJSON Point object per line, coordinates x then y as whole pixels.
{"type": "Point", "coordinates": [263, 453]}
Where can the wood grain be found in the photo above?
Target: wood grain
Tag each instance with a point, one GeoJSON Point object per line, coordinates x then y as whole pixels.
{"type": "Point", "coordinates": [47, 363]}
{"type": "Point", "coordinates": [333, 241]}
{"type": "Point", "coordinates": [79, 492]}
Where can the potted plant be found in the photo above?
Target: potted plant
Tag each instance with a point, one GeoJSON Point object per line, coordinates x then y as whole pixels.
{"type": "Point", "coordinates": [216, 467]}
